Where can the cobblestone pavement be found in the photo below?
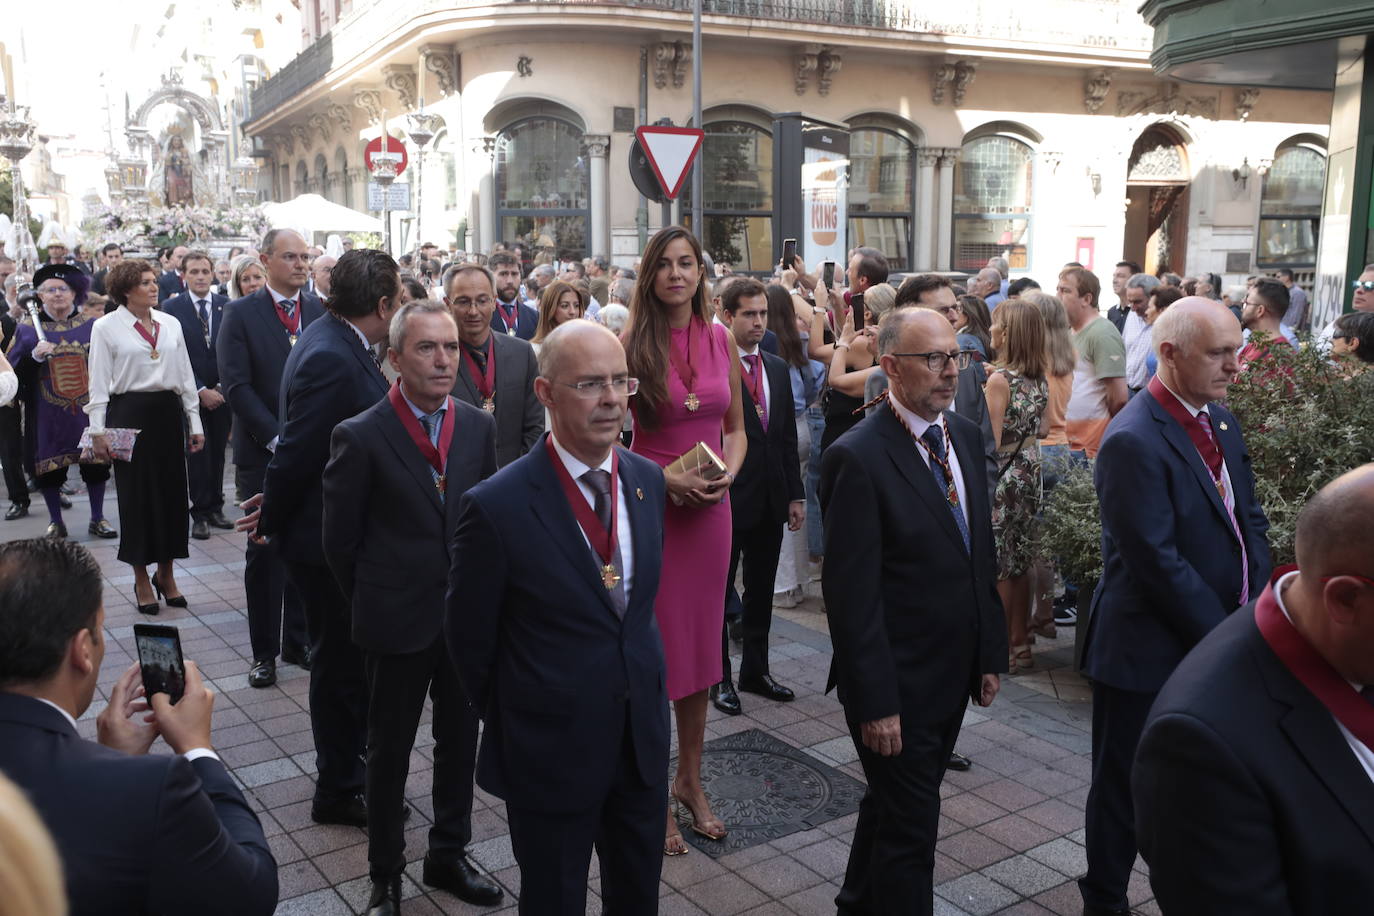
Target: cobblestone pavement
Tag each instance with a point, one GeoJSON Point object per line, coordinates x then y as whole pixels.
{"type": "Point", "coordinates": [1011, 837]}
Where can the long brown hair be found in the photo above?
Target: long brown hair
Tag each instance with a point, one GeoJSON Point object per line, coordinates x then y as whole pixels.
{"type": "Point", "coordinates": [646, 337]}
{"type": "Point", "coordinates": [548, 304]}
{"type": "Point", "coordinates": [1023, 338]}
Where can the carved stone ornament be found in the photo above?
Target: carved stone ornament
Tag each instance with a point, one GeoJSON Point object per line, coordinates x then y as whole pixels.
{"type": "Point", "coordinates": [1051, 160]}
{"type": "Point", "coordinates": [370, 101]}
{"type": "Point", "coordinates": [400, 79]}
{"type": "Point", "coordinates": [320, 124]}
{"type": "Point", "coordinates": [1095, 89]}
{"type": "Point", "coordinates": [483, 146]}
{"type": "Point", "coordinates": [597, 145]}
{"type": "Point", "coordinates": [964, 72]}
{"type": "Point", "coordinates": [438, 59]}
{"type": "Point", "coordinates": [283, 145]}
{"type": "Point", "coordinates": [927, 157]}
{"type": "Point", "coordinates": [340, 115]}
{"type": "Point", "coordinates": [1245, 103]}
{"type": "Point", "coordinates": [671, 59]}
{"type": "Point", "coordinates": [949, 155]}
{"type": "Point", "coordinates": [940, 78]}
{"type": "Point", "coordinates": [808, 61]}
{"type": "Point", "coordinates": [1163, 162]}
{"type": "Point", "coordinates": [301, 133]}
{"type": "Point", "coordinates": [524, 65]}
{"type": "Point", "coordinates": [1169, 101]}
{"type": "Point", "coordinates": [829, 62]}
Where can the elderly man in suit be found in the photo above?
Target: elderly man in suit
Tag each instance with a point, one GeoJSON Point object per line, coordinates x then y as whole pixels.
{"type": "Point", "coordinates": [257, 335]}
{"type": "Point", "coordinates": [551, 621]}
{"type": "Point", "coordinates": [201, 313]}
{"type": "Point", "coordinates": [1254, 779]}
{"type": "Point", "coordinates": [917, 632]}
{"type": "Point", "coordinates": [766, 495]}
{"type": "Point", "coordinates": [331, 375]}
{"type": "Point", "coordinates": [391, 489]}
{"type": "Point", "coordinates": [496, 371]}
{"type": "Point", "coordinates": [1183, 545]}
{"type": "Point", "coordinates": [138, 832]}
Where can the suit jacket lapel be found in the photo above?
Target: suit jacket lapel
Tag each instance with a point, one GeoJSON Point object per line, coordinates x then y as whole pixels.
{"type": "Point", "coordinates": [217, 314]}
{"type": "Point", "coordinates": [465, 388]}
{"type": "Point", "coordinates": [903, 452]}
{"type": "Point", "coordinates": [551, 507]}
{"type": "Point", "coordinates": [971, 463]}
{"type": "Point", "coordinates": [1177, 437]}
{"type": "Point", "coordinates": [399, 439]}
{"type": "Point", "coordinates": [266, 310]}
{"type": "Point", "coordinates": [642, 526]}
{"type": "Point", "coordinates": [509, 381]}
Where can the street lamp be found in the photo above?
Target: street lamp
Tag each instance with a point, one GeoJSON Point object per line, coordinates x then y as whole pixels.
{"type": "Point", "coordinates": [16, 140]}
{"type": "Point", "coordinates": [134, 172]}
{"type": "Point", "coordinates": [114, 180]}
{"type": "Point", "coordinates": [384, 173]}
{"type": "Point", "coordinates": [245, 172]}
{"type": "Point", "coordinates": [421, 127]}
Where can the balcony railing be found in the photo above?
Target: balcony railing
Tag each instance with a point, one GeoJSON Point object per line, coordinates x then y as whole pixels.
{"type": "Point", "coordinates": [1100, 25]}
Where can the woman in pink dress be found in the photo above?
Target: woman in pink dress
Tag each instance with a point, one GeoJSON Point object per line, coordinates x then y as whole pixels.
{"type": "Point", "coordinates": [688, 371]}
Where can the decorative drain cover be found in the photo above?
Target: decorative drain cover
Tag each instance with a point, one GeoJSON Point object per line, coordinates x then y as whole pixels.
{"type": "Point", "coordinates": [763, 789]}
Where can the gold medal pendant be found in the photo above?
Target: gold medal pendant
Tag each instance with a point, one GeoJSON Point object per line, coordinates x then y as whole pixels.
{"type": "Point", "coordinates": [1221, 489]}
{"type": "Point", "coordinates": [609, 577]}
{"type": "Point", "coordinates": [489, 405]}
{"type": "Point", "coordinates": [441, 483]}
{"type": "Point", "coordinates": [693, 403]}
{"type": "Point", "coordinates": [292, 338]}
{"type": "Point", "coordinates": [758, 408]}
{"type": "Point", "coordinates": [153, 354]}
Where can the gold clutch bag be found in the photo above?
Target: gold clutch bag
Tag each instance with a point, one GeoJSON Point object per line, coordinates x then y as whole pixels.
{"type": "Point", "coordinates": [702, 459]}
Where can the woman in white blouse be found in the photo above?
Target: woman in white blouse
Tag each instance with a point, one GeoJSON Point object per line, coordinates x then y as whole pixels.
{"type": "Point", "coordinates": [141, 379]}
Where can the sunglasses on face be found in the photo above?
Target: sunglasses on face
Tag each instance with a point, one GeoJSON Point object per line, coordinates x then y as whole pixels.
{"type": "Point", "coordinates": [1366, 285]}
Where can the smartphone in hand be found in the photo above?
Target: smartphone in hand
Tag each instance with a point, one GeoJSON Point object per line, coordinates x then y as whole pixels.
{"type": "Point", "coordinates": [160, 660]}
{"type": "Point", "coordinates": [828, 274]}
{"type": "Point", "coordinates": [789, 253]}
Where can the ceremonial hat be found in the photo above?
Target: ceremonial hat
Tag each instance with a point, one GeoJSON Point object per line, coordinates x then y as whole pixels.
{"type": "Point", "coordinates": [69, 274]}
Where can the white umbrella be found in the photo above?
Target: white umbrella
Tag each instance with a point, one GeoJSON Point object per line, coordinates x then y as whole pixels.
{"type": "Point", "coordinates": [311, 213]}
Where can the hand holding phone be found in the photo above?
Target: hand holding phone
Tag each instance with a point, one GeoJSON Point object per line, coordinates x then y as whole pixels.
{"type": "Point", "coordinates": [856, 302]}
{"type": "Point", "coordinates": [789, 253]}
{"type": "Point", "coordinates": [828, 274]}
{"type": "Point", "coordinates": [186, 726]}
{"type": "Point", "coordinates": [160, 660]}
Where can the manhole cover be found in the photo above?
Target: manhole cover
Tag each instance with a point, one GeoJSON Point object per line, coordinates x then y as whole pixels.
{"type": "Point", "coordinates": [763, 788]}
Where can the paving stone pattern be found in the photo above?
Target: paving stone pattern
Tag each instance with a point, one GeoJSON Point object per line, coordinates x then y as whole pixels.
{"type": "Point", "coordinates": [1011, 838]}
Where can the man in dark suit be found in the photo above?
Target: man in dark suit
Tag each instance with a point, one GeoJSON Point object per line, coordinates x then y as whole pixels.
{"type": "Point", "coordinates": [550, 620]}
{"type": "Point", "coordinates": [389, 517]}
{"type": "Point", "coordinates": [172, 282]}
{"type": "Point", "coordinates": [496, 371]}
{"type": "Point", "coordinates": [511, 315]}
{"type": "Point", "coordinates": [331, 375]}
{"type": "Point", "coordinates": [1254, 779]}
{"type": "Point", "coordinates": [109, 256]}
{"type": "Point", "coordinates": [910, 586]}
{"type": "Point", "coordinates": [201, 313]}
{"type": "Point", "coordinates": [257, 336]}
{"type": "Point", "coordinates": [766, 494]}
{"type": "Point", "coordinates": [1183, 545]}
{"type": "Point", "coordinates": [137, 832]}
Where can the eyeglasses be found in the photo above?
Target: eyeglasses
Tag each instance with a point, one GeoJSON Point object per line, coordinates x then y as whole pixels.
{"type": "Point", "coordinates": [594, 388]}
{"type": "Point", "coordinates": [54, 290]}
{"type": "Point", "coordinates": [481, 302]}
{"type": "Point", "coordinates": [937, 360]}
{"type": "Point", "coordinates": [1366, 285]}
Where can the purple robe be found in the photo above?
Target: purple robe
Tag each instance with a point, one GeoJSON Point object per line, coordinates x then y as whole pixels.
{"type": "Point", "coordinates": [61, 388]}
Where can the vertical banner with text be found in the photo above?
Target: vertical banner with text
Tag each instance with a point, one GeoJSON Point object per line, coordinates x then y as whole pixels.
{"type": "Point", "coordinates": [825, 187]}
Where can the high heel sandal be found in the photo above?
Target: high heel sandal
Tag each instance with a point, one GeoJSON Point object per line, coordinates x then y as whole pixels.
{"type": "Point", "coordinates": [149, 609]}
{"type": "Point", "coordinates": [679, 804]}
{"type": "Point", "coordinates": [674, 844]}
{"type": "Point", "coordinates": [178, 601]}
{"type": "Point", "coordinates": [1020, 659]}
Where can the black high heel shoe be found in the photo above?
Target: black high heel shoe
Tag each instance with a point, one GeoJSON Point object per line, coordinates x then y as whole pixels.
{"type": "Point", "coordinates": [178, 601]}
{"type": "Point", "coordinates": [149, 609]}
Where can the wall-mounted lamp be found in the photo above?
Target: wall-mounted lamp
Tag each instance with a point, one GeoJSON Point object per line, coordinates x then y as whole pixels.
{"type": "Point", "coordinates": [1241, 176]}
{"type": "Point", "coordinates": [1096, 180]}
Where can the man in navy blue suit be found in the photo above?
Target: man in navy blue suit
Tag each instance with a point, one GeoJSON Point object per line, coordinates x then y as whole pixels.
{"type": "Point", "coordinates": [1183, 545]}
{"type": "Point", "coordinates": [512, 314]}
{"type": "Point", "coordinates": [332, 374]}
{"type": "Point", "coordinates": [551, 623]}
{"type": "Point", "coordinates": [171, 282]}
{"type": "Point", "coordinates": [201, 312]}
{"type": "Point", "coordinates": [257, 336]}
{"type": "Point", "coordinates": [138, 832]}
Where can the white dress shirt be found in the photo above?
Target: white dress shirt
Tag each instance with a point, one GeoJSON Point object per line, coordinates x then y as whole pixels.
{"type": "Point", "coordinates": [744, 367]}
{"type": "Point", "coordinates": [918, 427]}
{"type": "Point", "coordinates": [1135, 333]}
{"type": "Point", "coordinates": [1363, 752]}
{"type": "Point", "coordinates": [209, 300]}
{"type": "Point", "coordinates": [120, 363]}
{"type": "Point", "coordinates": [624, 533]}
{"type": "Point", "coordinates": [9, 387]}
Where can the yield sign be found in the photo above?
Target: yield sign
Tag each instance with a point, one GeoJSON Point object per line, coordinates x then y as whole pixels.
{"type": "Point", "coordinates": [670, 151]}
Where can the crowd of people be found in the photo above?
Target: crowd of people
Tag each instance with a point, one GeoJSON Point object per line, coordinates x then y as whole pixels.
{"type": "Point", "coordinates": [528, 491]}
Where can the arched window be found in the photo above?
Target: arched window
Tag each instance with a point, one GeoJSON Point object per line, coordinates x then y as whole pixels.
{"type": "Point", "coordinates": [737, 195]}
{"type": "Point", "coordinates": [345, 195]}
{"type": "Point", "coordinates": [1291, 207]}
{"type": "Point", "coordinates": [992, 202]}
{"type": "Point", "coordinates": [542, 188]}
{"type": "Point", "coordinates": [881, 180]}
{"type": "Point", "coordinates": [322, 177]}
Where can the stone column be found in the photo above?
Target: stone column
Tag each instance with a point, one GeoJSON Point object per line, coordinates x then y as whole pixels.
{"type": "Point", "coordinates": [482, 150]}
{"type": "Point", "coordinates": [599, 239]}
{"type": "Point", "coordinates": [944, 240]}
{"type": "Point", "coordinates": [924, 249]}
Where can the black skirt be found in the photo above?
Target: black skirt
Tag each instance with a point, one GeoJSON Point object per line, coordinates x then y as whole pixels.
{"type": "Point", "coordinates": [153, 501]}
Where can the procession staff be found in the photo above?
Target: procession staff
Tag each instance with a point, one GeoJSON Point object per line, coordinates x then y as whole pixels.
{"type": "Point", "coordinates": [58, 342]}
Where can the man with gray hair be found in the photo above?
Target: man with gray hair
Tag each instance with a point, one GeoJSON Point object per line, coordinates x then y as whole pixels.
{"type": "Point", "coordinates": [395, 474]}
{"type": "Point", "coordinates": [1135, 333]}
{"type": "Point", "coordinates": [987, 283]}
{"type": "Point", "coordinates": [1003, 268]}
{"type": "Point", "coordinates": [598, 279]}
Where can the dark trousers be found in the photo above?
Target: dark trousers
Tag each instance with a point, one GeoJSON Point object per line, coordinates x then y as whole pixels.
{"type": "Point", "coordinates": [274, 605]}
{"type": "Point", "coordinates": [338, 684]}
{"type": "Point", "coordinates": [626, 827]}
{"type": "Point", "coordinates": [205, 468]}
{"type": "Point", "coordinates": [1108, 816]}
{"type": "Point", "coordinates": [758, 547]}
{"type": "Point", "coordinates": [12, 454]}
{"type": "Point", "coordinates": [397, 685]}
{"type": "Point", "coordinates": [892, 857]}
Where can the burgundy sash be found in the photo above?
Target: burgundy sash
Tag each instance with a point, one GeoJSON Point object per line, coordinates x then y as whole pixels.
{"type": "Point", "coordinates": [437, 457]}
{"type": "Point", "coordinates": [685, 366]}
{"type": "Point", "coordinates": [484, 380]}
{"type": "Point", "coordinates": [1207, 446]}
{"type": "Point", "coordinates": [602, 541]}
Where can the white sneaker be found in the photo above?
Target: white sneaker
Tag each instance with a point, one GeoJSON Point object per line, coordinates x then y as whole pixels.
{"type": "Point", "coordinates": [788, 599]}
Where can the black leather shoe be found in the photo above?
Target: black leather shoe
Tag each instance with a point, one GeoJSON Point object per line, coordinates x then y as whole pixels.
{"type": "Point", "coordinates": [67, 490]}
{"type": "Point", "coordinates": [56, 530]}
{"type": "Point", "coordinates": [724, 698]}
{"type": "Point", "coordinates": [217, 520]}
{"type": "Point", "coordinates": [64, 500]}
{"type": "Point", "coordinates": [298, 657]}
{"type": "Point", "coordinates": [101, 529]}
{"type": "Point", "coordinates": [386, 897]}
{"type": "Point", "coordinates": [200, 530]}
{"type": "Point", "coordinates": [351, 811]}
{"type": "Point", "coordinates": [263, 673]}
{"type": "Point", "coordinates": [959, 762]}
{"type": "Point", "coordinates": [765, 686]}
{"type": "Point", "coordinates": [16, 510]}
{"type": "Point", "coordinates": [458, 876]}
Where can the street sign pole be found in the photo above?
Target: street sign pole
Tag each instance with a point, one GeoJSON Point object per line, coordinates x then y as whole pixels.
{"type": "Point", "coordinates": [697, 229]}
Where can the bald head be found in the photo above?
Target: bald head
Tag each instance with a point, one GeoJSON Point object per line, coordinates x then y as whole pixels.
{"type": "Point", "coordinates": [914, 332]}
{"type": "Point", "coordinates": [1196, 341]}
{"type": "Point", "coordinates": [585, 421]}
{"type": "Point", "coordinates": [1334, 532]}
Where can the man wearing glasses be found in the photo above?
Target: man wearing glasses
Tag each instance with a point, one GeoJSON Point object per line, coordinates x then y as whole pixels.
{"type": "Point", "coordinates": [909, 586]}
{"type": "Point", "coordinates": [496, 372]}
{"type": "Point", "coordinates": [1363, 301]}
{"type": "Point", "coordinates": [551, 623]}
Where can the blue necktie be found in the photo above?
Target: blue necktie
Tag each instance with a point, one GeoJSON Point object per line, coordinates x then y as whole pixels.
{"type": "Point", "coordinates": [934, 437]}
{"type": "Point", "coordinates": [431, 422]}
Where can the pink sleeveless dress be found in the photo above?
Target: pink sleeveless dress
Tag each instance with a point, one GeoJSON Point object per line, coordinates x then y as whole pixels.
{"type": "Point", "coordinates": [690, 606]}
